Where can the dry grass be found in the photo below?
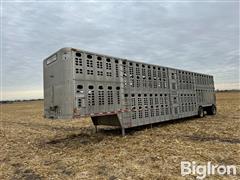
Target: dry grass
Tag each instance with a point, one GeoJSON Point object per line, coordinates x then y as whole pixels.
{"type": "Point", "coordinates": [36, 148]}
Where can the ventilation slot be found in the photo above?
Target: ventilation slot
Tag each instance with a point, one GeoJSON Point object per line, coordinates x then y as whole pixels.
{"type": "Point", "coordinates": [91, 100]}
{"type": "Point", "coordinates": [90, 72]}
{"type": "Point", "coordinates": [118, 94]}
{"type": "Point", "coordinates": [78, 71]}
{"type": "Point", "coordinates": [79, 103]}
{"type": "Point", "coordinates": [110, 95]}
{"type": "Point", "coordinates": [146, 111]}
{"type": "Point", "coordinates": [116, 68]}
{"type": "Point", "coordinates": [89, 63]}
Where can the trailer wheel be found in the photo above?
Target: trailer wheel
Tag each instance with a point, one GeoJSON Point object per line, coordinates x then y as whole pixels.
{"type": "Point", "coordinates": [200, 112]}
{"type": "Point", "coordinates": [212, 110]}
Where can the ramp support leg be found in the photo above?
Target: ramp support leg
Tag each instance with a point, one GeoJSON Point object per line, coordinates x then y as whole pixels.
{"type": "Point", "coordinates": [123, 131]}
{"type": "Point", "coordinates": [96, 128]}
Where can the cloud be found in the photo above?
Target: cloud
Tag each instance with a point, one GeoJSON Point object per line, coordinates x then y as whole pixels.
{"type": "Point", "coordinates": [200, 37]}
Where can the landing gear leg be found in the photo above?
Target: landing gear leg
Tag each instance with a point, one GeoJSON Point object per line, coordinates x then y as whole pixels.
{"type": "Point", "coordinates": [96, 128]}
{"type": "Point", "coordinates": [123, 131]}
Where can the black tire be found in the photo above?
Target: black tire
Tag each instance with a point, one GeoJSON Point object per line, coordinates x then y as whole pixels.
{"type": "Point", "coordinates": [200, 112]}
{"type": "Point", "coordinates": [212, 110]}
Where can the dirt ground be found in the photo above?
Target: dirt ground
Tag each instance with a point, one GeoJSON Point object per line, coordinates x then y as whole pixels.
{"type": "Point", "coordinates": [32, 147]}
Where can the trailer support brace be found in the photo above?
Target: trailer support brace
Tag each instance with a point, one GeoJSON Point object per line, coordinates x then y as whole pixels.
{"type": "Point", "coordinates": [123, 131]}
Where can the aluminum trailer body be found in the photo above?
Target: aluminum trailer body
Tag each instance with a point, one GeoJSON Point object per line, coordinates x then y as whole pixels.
{"type": "Point", "coordinates": [121, 92]}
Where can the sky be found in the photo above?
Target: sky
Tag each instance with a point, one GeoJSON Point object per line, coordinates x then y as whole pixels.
{"type": "Point", "coordinates": [201, 36]}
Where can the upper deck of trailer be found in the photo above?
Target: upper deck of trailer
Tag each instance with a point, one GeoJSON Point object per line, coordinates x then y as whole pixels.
{"type": "Point", "coordinates": [125, 59]}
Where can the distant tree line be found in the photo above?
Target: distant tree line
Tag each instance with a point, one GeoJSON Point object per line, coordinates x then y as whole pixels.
{"type": "Point", "coordinates": [229, 90]}
{"type": "Point", "coordinates": [18, 100]}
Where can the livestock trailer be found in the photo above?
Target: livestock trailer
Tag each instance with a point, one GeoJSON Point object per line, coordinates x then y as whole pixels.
{"type": "Point", "coordinates": [120, 92]}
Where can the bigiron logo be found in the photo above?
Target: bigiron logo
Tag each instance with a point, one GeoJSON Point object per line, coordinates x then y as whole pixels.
{"type": "Point", "coordinates": [202, 171]}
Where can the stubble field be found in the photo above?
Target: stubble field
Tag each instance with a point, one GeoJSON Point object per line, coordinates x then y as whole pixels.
{"type": "Point", "coordinates": [32, 147]}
